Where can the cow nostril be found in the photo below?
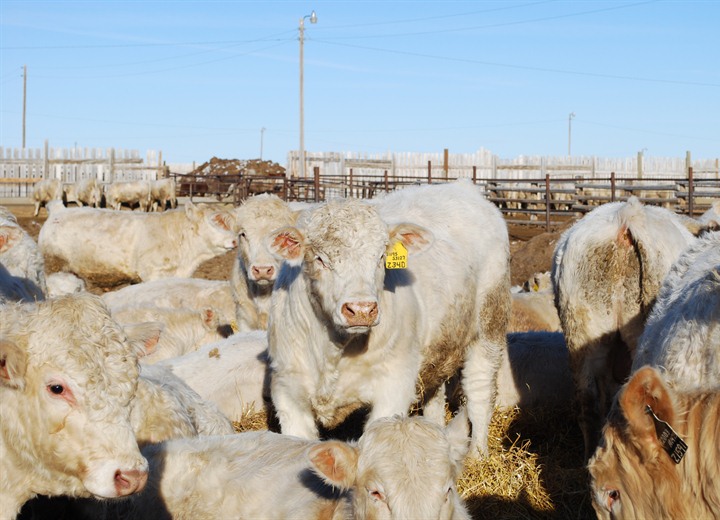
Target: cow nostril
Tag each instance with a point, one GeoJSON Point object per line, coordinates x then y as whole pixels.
{"type": "Point", "coordinates": [129, 482]}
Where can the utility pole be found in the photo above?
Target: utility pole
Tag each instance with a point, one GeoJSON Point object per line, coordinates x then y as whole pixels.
{"type": "Point", "coordinates": [24, 103]}
{"type": "Point", "coordinates": [570, 118]}
{"type": "Point", "coordinates": [301, 30]}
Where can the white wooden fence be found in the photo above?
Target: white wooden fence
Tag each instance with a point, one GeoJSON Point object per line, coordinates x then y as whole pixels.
{"type": "Point", "coordinates": [489, 166]}
{"type": "Point", "coordinates": [20, 168]}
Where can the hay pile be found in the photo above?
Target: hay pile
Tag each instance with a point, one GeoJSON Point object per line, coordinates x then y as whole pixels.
{"type": "Point", "coordinates": [535, 468]}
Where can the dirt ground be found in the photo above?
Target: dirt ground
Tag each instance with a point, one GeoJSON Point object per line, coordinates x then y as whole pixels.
{"type": "Point", "coordinates": [531, 249]}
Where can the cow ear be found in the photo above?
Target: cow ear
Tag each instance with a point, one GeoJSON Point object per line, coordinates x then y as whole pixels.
{"type": "Point", "coordinates": [287, 243]}
{"type": "Point", "coordinates": [210, 318]}
{"type": "Point", "coordinates": [144, 337]}
{"type": "Point", "coordinates": [8, 236]}
{"type": "Point", "coordinates": [646, 388]}
{"type": "Point", "coordinates": [415, 238]}
{"type": "Point", "coordinates": [13, 363]}
{"type": "Point", "coordinates": [224, 220]}
{"type": "Point", "coordinates": [458, 435]}
{"type": "Point", "coordinates": [335, 462]}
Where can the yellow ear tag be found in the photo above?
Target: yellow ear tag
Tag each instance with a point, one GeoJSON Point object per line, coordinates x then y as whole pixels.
{"type": "Point", "coordinates": [397, 258]}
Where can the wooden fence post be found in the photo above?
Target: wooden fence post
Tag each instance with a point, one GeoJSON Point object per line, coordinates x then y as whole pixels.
{"type": "Point", "coordinates": [316, 175]}
{"type": "Point", "coordinates": [46, 160]}
{"type": "Point", "coordinates": [691, 190]}
{"type": "Point", "coordinates": [474, 174]}
{"type": "Point", "coordinates": [547, 202]}
{"type": "Point", "coordinates": [429, 172]}
{"type": "Point", "coordinates": [387, 186]}
{"type": "Point", "coordinates": [612, 186]}
{"type": "Point", "coordinates": [351, 182]}
{"type": "Point", "coordinates": [446, 166]}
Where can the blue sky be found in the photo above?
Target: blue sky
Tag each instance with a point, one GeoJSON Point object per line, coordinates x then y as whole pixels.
{"type": "Point", "coordinates": [202, 79]}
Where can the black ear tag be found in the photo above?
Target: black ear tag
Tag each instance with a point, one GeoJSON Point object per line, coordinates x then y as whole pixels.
{"type": "Point", "coordinates": [670, 441]}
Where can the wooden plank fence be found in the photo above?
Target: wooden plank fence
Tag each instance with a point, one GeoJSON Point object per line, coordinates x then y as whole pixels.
{"type": "Point", "coordinates": [21, 168]}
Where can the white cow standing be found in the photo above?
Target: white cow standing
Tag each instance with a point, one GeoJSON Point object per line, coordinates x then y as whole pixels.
{"type": "Point", "coordinates": [115, 246]}
{"type": "Point", "coordinates": [345, 331]}
{"type": "Point", "coordinates": [255, 268]}
{"type": "Point", "coordinates": [607, 271]}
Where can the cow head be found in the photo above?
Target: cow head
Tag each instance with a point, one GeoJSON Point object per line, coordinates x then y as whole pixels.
{"type": "Point", "coordinates": [632, 475]}
{"type": "Point", "coordinates": [257, 218]}
{"type": "Point", "coordinates": [67, 375]}
{"type": "Point", "coordinates": [402, 467]}
{"type": "Point", "coordinates": [214, 227]}
{"type": "Point", "coordinates": [342, 247]}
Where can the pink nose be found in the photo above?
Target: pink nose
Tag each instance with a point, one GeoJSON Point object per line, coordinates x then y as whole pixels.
{"type": "Point", "coordinates": [360, 314]}
{"type": "Point", "coordinates": [129, 482]}
{"type": "Point", "coordinates": [263, 272]}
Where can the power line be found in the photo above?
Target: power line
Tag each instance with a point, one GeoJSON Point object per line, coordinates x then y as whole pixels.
{"type": "Point", "coordinates": [523, 67]}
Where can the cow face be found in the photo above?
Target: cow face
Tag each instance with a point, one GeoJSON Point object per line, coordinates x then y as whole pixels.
{"type": "Point", "coordinates": [342, 249]}
{"type": "Point", "coordinates": [67, 376]}
{"type": "Point", "coordinates": [215, 228]}
{"type": "Point", "coordinates": [402, 467]}
{"type": "Point", "coordinates": [257, 218]}
{"type": "Point", "coordinates": [631, 474]}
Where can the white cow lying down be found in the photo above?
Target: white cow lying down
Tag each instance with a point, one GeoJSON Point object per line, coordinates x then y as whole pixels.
{"type": "Point", "coordinates": [401, 468]}
{"type": "Point", "coordinates": [232, 373]}
{"type": "Point", "coordinates": [682, 334]}
{"type": "Point", "coordinates": [67, 376]}
{"type": "Point", "coordinates": [345, 332]}
{"type": "Point", "coordinates": [111, 247]}
{"type": "Point", "coordinates": [189, 293]}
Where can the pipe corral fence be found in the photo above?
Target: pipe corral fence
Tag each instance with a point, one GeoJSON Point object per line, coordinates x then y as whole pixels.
{"type": "Point", "coordinates": [548, 201]}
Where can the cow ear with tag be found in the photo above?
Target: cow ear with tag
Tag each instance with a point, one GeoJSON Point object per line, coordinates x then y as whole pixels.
{"type": "Point", "coordinates": [415, 238]}
{"type": "Point", "coordinates": [13, 363]}
{"type": "Point", "coordinates": [287, 244]}
{"type": "Point", "coordinates": [646, 388]}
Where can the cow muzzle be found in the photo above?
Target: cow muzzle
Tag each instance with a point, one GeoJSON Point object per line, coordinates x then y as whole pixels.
{"type": "Point", "coordinates": [263, 274]}
{"type": "Point", "coordinates": [360, 314]}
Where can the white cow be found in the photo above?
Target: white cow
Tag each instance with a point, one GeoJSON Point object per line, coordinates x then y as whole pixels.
{"type": "Point", "coordinates": [162, 193]}
{"type": "Point", "coordinates": [533, 311]}
{"type": "Point", "coordinates": [345, 331]}
{"type": "Point", "coordinates": [113, 246]}
{"type": "Point", "coordinates": [165, 407]}
{"type": "Point", "coordinates": [67, 377]}
{"type": "Point", "coordinates": [183, 330]}
{"type": "Point", "coordinates": [233, 373]}
{"type": "Point", "coordinates": [20, 254]}
{"type": "Point", "coordinates": [130, 193]}
{"type": "Point", "coordinates": [84, 192]}
{"type": "Point", "coordinates": [45, 191]}
{"type": "Point", "coordinates": [63, 283]}
{"type": "Point", "coordinates": [682, 334]}
{"type": "Point", "coordinates": [401, 468]}
{"type": "Point", "coordinates": [256, 268]}
{"type": "Point", "coordinates": [607, 270]}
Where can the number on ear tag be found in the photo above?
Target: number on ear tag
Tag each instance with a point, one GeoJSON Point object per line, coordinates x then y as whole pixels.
{"type": "Point", "coordinates": [397, 258]}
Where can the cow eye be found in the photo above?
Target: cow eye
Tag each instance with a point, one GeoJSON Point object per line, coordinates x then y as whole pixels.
{"type": "Point", "coordinates": [376, 495]}
{"type": "Point", "coordinates": [56, 389]}
{"type": "Point", "coordinates": [612, 496]}
{"type": "Point", "coordinates": [320, 262]}
{"type": "Point", "coordinates": [242, 234]}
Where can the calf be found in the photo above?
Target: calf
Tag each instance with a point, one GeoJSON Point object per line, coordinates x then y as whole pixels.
{"type": "Point", "coordinates": [45, 191]}
{"type": "Point", "coordinates": [111, 247]}
{"type": "Point", "coordinates": [607, 270]}
{"type": "Point", "coordinates": [84, 192]}
{"type": "Point", "coordinates": [67, 377]}
{"type": "Point", "coordinates": [347, 329]}
{"type": "Point", "coordinates": [659, 453]}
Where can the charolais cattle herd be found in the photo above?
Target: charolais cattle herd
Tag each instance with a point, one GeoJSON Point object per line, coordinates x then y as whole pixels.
{"type": "Point", "coordinates": [399, 307]}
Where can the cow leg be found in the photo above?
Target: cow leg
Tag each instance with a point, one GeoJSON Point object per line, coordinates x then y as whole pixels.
{"type": "Point", "coordinates": [434, 408]}
{"type": "Point", "coordinates": [293, 409]}
{"type": "Point", "coordinates": [479, 383]}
